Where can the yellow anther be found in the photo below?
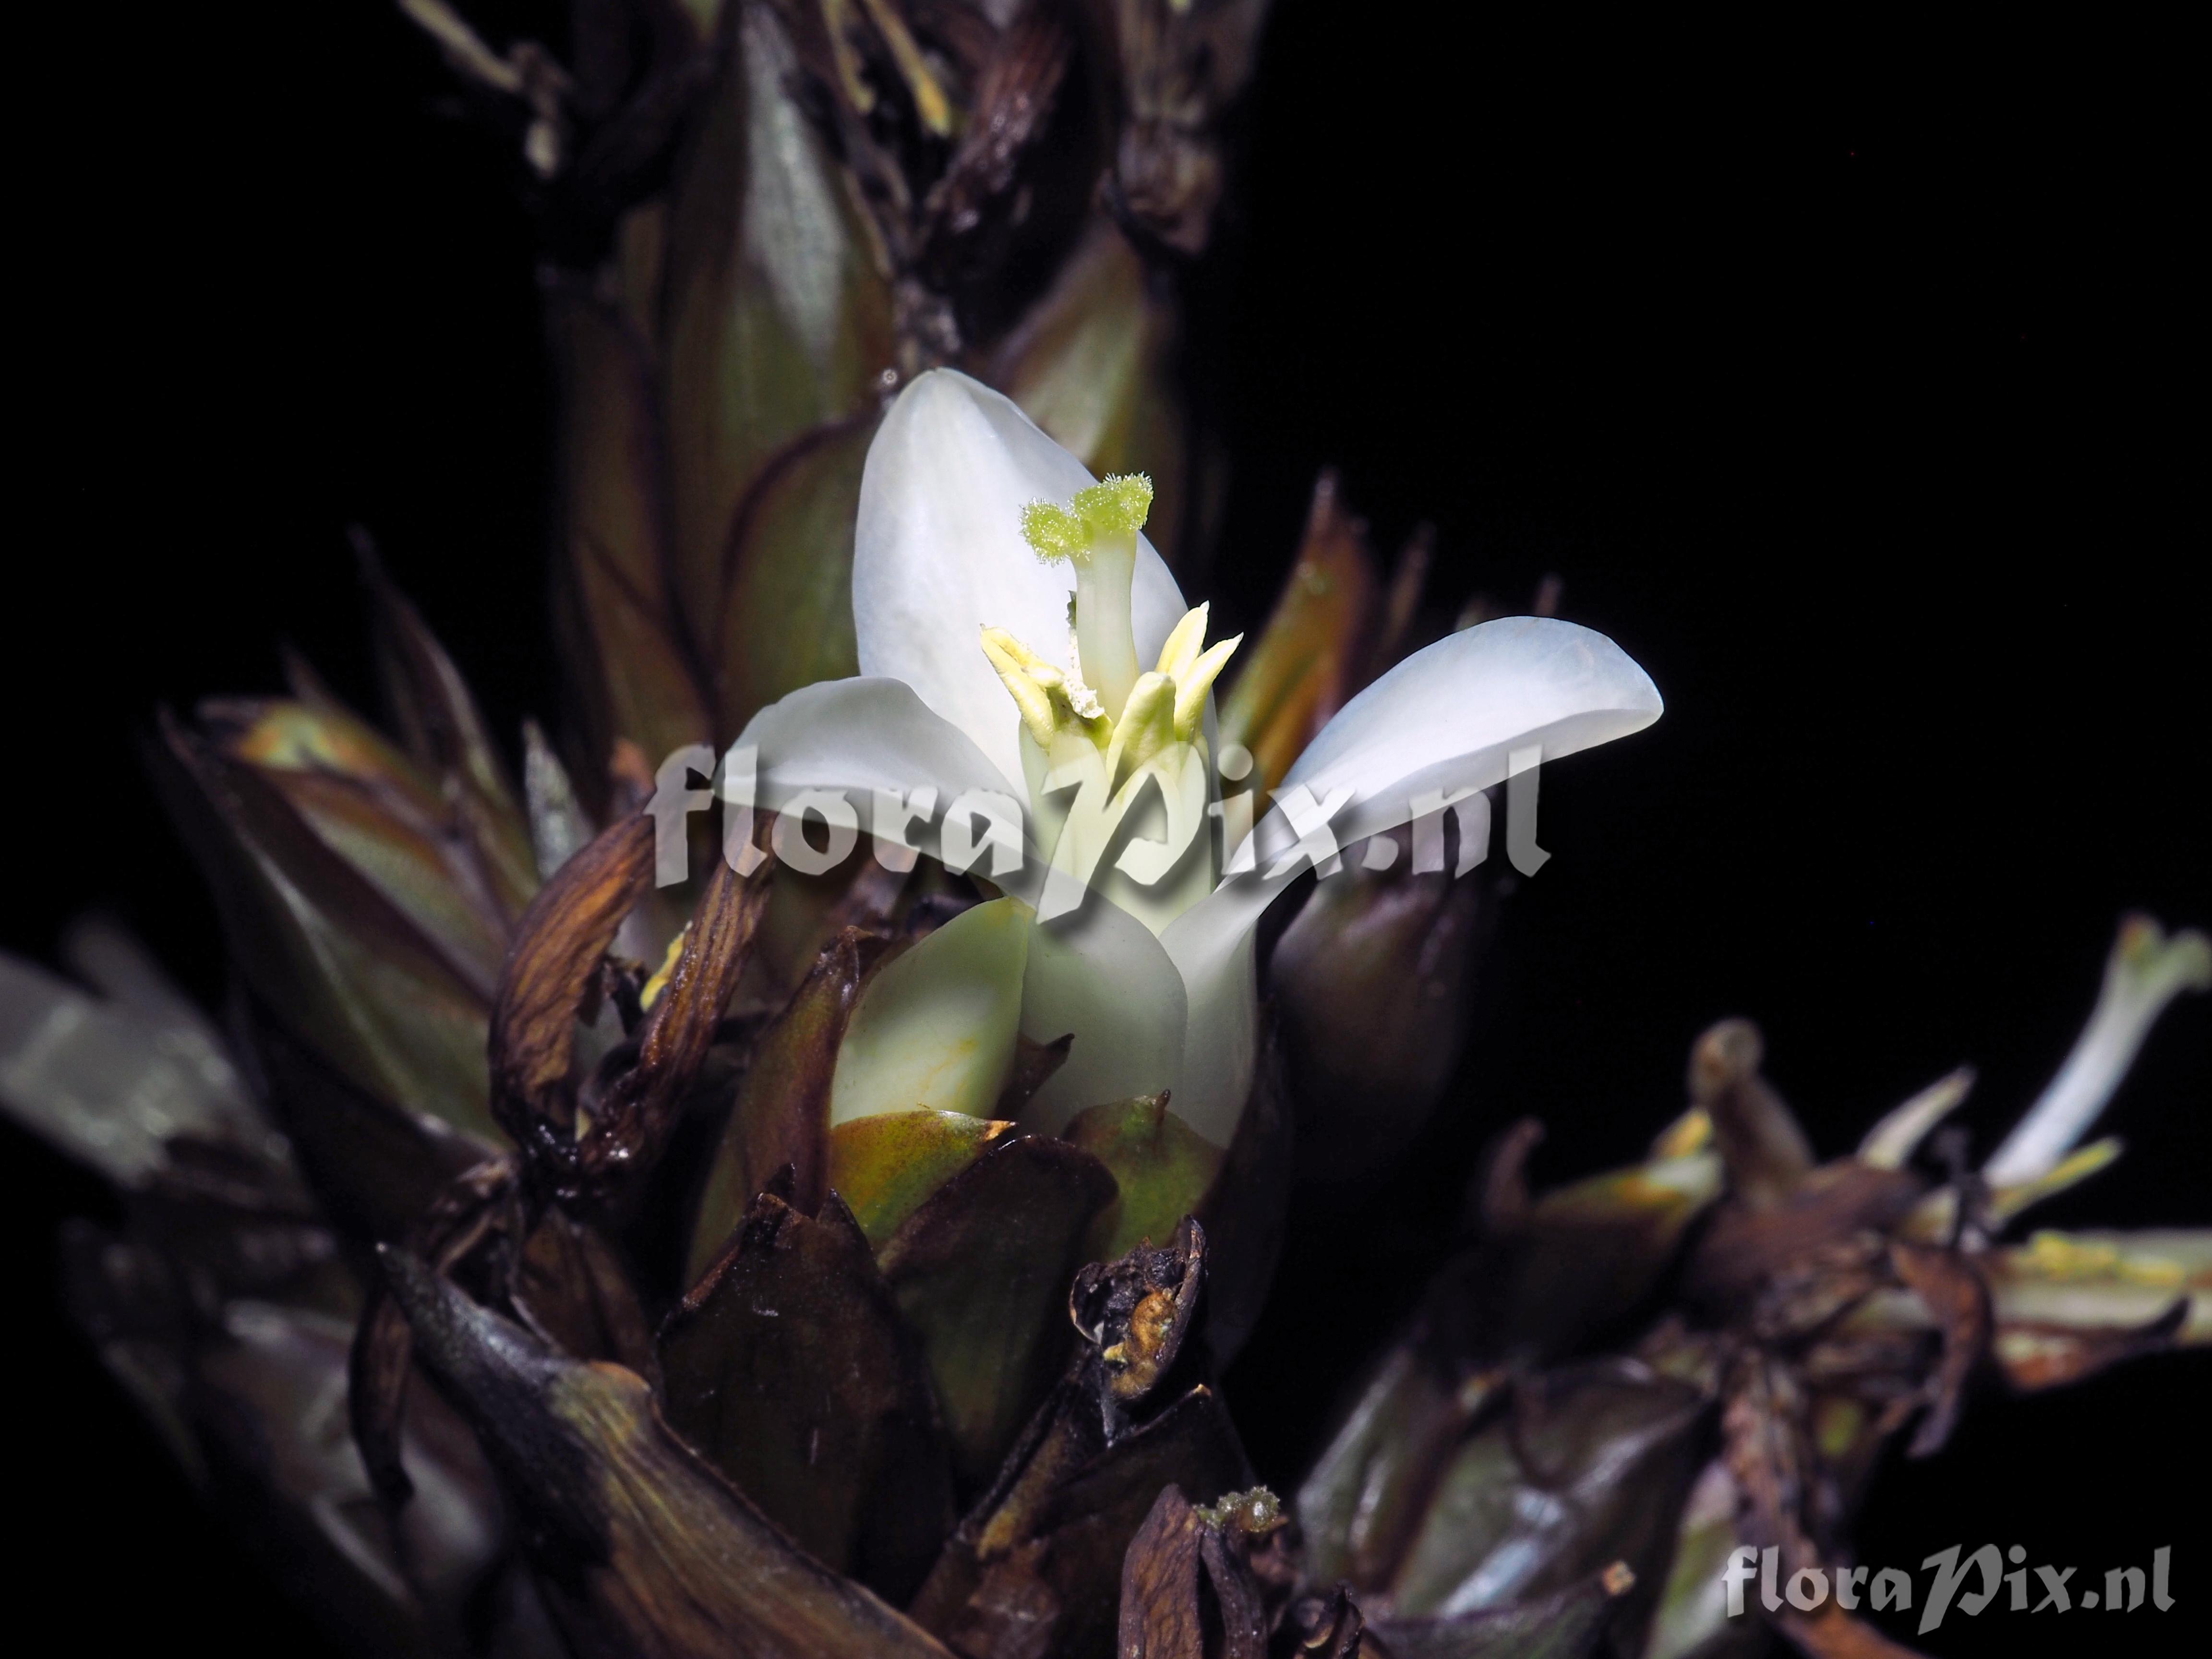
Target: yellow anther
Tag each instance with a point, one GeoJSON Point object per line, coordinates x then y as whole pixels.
{"type": "Point", "coordinates": [1017, 664]}
{"type": "Point", "coordinates": [1146, 727]}
{"type": "Point", "coordinates": [659, 982]}
{"type": "Point", "coordinates": [1182, 647]}
{"type": "Point", "coordinates": [1192, 687]}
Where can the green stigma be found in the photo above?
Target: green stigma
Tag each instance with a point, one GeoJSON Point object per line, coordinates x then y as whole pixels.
{"type": "Point", "coordinates": [1117, 507]}
{"type": "Point", "coordinates": [1055, 533]}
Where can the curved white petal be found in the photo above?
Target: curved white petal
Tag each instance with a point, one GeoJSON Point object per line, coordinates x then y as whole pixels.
{"type": "Point", "coordinates": [1446, 718]}
{"type": "Point", "coordinates": [860, 735]}
{"type": "Point", "coordinates": [1453, 710]}
{"type": "Point", "coordinates": [1101, 974]}
{"type": "Point", "coordinates": [938, 555]}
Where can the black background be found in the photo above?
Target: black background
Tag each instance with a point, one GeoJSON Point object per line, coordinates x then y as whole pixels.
{"type": "Point", "coordinates": [1848, 378]}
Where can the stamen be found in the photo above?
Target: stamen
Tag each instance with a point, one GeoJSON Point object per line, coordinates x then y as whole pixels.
{"type": "Point", "coordinates": [1192, 687]}
{"type": "Point", "coordinates": [1182, 647]}
{"type": "Point", "coordinates": [1016, 665]}
{"type": "Point", "coordinates": [2146, 971]}
{"type": "Point", "coordinates": [1145, 727]}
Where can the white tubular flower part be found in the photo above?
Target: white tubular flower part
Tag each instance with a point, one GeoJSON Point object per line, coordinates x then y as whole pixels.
{"type": "Point", "coordinates": [2146, 971]}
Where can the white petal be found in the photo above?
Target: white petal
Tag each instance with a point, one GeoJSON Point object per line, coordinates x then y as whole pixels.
{"type": "Point", "coordinates": [1448, 715]}
{"type": "Point", "coordinates": [938, 553]}
{"type": "Point", "coordinates": [935, 1027]}
{"type": "Point", "coordinates": [1446, 718]}
{"type": "Point", "coordinates": [862, 735]}
{"type": "Point", "coordinates": [2145, 971]}
{"type": "Point", "coordinates": [1101, 974]}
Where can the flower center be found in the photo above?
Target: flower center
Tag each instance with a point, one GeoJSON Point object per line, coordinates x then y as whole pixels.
{"type": "Point", "coordinates": [1107, 732]}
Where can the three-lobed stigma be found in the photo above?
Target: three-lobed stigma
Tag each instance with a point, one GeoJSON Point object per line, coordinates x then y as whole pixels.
{"type": "Point", "coordinates": [1117, 507]}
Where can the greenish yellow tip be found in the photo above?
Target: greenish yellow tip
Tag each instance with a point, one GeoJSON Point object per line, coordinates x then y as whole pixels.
{"type": "Point", "coordinates": [1118, 507]}
{"type": "Point", "coordinates": [659, 982]}
{"type": "Point", "coordinates": [1053, 533]}
{"type": "Point", "coordinates": [1253, 1511]}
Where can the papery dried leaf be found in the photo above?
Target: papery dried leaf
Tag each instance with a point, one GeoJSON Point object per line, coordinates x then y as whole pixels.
{"type": "Point", "coordinates": [640, 1548]}
{"type": "Point", "coordinates": [1570, 1624]}
{"type": "Point", "coordinates": [629, 655]}
{"type": "Point", "coordinates": [1192, 1443]}
{"type": "Point", "coordinates": [1588, 1467]}
{"type": "Point", "coordinates": [322, 948]}
{"type": "Point", "coordinates": [782, 1113]}
{"type": "Point", "coordinates": [1163, 1170]}
{"type": "Point", "coordinates": [979, 1271]}
{"type": "Point", "coordinates": [1160, 1615]}
{"type": "Point", "coordinates": [636, 1113]}
{"type": "Point", "coordinates": [1301, 669]}
{"type": "Point", "coordinates": [886, 1167]}
{"type": "Point", "coordinates": [556, 960]}
{"type": "Point", "coordinates": [445, 733]}
{"type": "Point", "coordinates": [788, 1367]}
{"type": "Point", "coordinates": [778, 318]}
{"type": "Point", "coordinates": [1947, 1281]}
{"type": "Point", "coordinates": [1137, 1310]}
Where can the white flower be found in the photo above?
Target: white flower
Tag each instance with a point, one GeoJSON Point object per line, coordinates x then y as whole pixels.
{"type": "Point", "coordinates": [1154, 977]}
{"type": "Point", "coordinates": [2145, 971]}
